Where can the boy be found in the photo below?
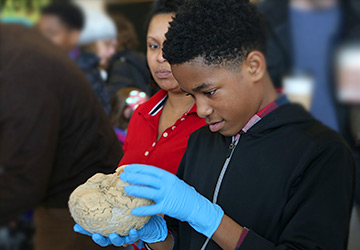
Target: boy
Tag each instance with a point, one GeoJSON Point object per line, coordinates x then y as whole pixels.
{"type": "Point", "coordinates": [267, 175]}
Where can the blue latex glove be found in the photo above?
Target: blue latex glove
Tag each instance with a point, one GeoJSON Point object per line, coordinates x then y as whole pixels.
{"type": "Point", "coordinates": [153, 231]}
{"type": "Point", "coordinates": [173, 197]}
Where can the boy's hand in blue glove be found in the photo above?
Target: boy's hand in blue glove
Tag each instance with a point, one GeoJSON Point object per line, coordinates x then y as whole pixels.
{"type": "Point", "coordinates": [153, 231]}
{"type": "Point", "coordinates": [173, 197]}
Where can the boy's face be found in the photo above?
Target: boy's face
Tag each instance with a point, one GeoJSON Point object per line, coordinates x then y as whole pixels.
{"type": "Point", "coordinates": [226, 99]}
{"type": "Point", "coordinates": [57, 32]}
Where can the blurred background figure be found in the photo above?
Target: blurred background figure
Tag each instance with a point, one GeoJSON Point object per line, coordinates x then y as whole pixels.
{"type": "Point", "coordinates": [302, 55]}
{"type": "Point", "coordinates": [66, 25]}
{"type": "Point", "coordinates": [18, 233]}
{"type": "Point", "coordinates": [303, 37]}
{"type": "Point", "coordinates": [127, 68]}
{"type": "Point", "coordinates": [54, 135]}
{"type": "Point", "coordinates": [123, 105]}
{"type": "Point", "coordinates": [62, 23]}
{"type": "Point", "coordinates": [348, 93]}
{"type": "Point", "coordinates": [99, 36]}
{"type": "Point", "coordinates": [348, 84]}
{"type": "Point", "coordinates": [97, 45]}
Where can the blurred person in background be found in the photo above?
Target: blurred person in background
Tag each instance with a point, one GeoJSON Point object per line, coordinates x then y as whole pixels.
{"type": "Point", "coordinates": [303, 37]}
{"type": "Point", "coordinates": [99, 37]}
{"type": "Point", "coordinates": [127, 68]}
{"type": "Point", "coordinates": [123, 105]}
{"type": "Point", "coordinates": [63, 24]}
{"type": "Point", "coordinates": [348, 93]}
{"type": "Point", "coordinates": [54, 135]}
{"type": "Point", "coordinates": [97, 45]}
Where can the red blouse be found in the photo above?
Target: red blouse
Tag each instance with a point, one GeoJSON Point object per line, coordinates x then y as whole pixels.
{"type": "Point", "coordinates": [141, 145]}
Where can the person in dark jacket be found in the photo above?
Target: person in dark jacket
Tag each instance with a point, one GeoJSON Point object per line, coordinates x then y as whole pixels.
{"type": "Point", "coordinates": [54, 135]}
{"type": "Point", "coordinates": [89, 63]}
{"type": "Point", "coordinates": [127, 68]}
{"type": "Point", "coordinates": [264, 174]}
{"type": "Point", "coordinates": [97, 45]}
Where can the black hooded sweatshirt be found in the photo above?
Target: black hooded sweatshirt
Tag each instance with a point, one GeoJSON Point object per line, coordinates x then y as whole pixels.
{"type": "Point", "coordinates": [290, 181]}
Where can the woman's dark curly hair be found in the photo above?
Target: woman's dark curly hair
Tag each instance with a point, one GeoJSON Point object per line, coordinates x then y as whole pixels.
{"type": "Point", "coordinates": [163, 7]}
{"type": "Point", "coordinates": [218, 32]}
{"type": "Point", "coordinates": [166, 6]}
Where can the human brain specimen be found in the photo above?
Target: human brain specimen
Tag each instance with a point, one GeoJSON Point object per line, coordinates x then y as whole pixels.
{"type": "Point", "coordinates": [101, 205]}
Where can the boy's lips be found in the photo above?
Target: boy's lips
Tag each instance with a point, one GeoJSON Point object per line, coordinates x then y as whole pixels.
{"type": "Point", "coordinates": [216, 126]}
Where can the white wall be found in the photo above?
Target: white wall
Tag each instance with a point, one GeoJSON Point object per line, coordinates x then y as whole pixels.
{"type": "Point", "coordinates": [93, 4]}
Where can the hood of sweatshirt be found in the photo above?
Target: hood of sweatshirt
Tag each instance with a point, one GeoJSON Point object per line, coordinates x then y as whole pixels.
{"type": "Point", "coordinates": [285, 115]}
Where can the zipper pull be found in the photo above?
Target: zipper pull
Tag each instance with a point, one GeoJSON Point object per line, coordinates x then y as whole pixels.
{"type": "Point", "coordinates": [231, 146]}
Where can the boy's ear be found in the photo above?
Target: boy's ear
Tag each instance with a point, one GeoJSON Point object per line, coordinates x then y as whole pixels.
{"type": "Point", "coordinates": [255, 65]}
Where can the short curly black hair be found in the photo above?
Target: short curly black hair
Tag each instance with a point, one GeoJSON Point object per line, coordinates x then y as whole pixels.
{"type": "Point", "coordinates": [70, 14]}
{"type": "Point", "coordinates": [218, 32]}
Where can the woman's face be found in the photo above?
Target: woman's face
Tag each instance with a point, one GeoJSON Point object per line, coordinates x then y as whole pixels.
{"type": "Point", "coordinates": [159, 67]}
{"type": "Point", "coordinates": [105, 49]}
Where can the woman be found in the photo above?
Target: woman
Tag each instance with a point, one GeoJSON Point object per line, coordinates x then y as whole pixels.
{"type": "Point", "coordinates": [160, 128]}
